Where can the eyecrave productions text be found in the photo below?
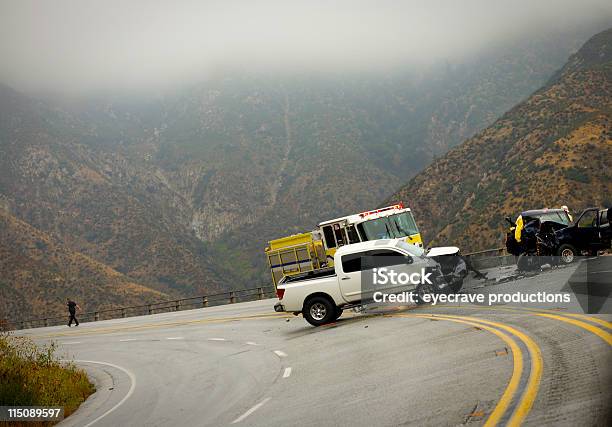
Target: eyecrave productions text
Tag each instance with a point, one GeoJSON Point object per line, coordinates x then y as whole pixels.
{"type": "Point", "coordinates": [489, 299]}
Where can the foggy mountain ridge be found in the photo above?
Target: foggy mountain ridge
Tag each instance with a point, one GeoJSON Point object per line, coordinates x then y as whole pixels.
{"type": "Point", "coordinates": [78, 48]}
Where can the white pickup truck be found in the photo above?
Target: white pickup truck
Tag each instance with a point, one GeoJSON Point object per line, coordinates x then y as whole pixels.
{"type": "Point", "coordinates": [321, 295]}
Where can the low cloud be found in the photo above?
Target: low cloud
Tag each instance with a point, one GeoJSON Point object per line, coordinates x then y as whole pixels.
{"type": "Point", "coordinates": [76, 45]}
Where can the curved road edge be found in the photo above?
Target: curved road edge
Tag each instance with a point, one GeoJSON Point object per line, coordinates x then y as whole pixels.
{"type": "Point", "coordinates": [95, 407]}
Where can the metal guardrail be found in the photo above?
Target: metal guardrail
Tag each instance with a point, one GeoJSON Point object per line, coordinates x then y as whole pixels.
{"type": "Point", "coordinates": [230, 297]}
{"type": "Point", "coordinates": [480, 259]}
{"type": "Point", "coordinates": [486, 252]}
{"type": "Point", "coordinates": [490, 258]}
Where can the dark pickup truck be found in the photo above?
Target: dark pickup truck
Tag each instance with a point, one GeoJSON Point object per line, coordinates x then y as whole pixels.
{"type": "Point", "coordinates": [534, 222]}
{"type": "Point", "coordinates": [549, 233]}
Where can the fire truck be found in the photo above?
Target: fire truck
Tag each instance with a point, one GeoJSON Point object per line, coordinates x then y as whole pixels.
{"type": "Point", "coordinates": [315, 250]}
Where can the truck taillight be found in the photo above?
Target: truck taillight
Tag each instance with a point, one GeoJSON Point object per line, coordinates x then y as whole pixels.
{"type": "Point", "coordinates": [280, 293]}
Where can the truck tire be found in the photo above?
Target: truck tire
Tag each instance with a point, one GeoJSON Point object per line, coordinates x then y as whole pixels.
{"type": "Point", "coordinates": [567, 253]}
{"type": "Point", "coordinates": [456, 285]}
{"type": "Point", "coordinates": [338, 313]}
{"type": "Point", "coordinates": [421, 290]}
{"type": "Point", "coordinates": [319, 311]}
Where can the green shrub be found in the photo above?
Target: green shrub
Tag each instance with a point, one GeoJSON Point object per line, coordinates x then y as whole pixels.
{"type": "Point", "coordinates": [32, 375]}
{"type": "Point", "coordinates": [577, 174]}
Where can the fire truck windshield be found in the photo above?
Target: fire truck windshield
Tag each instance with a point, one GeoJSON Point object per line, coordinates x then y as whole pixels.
{"type": "Point", "coordinates": [405, 223]}
{"type": "Point", "coordinates": [390, 227]}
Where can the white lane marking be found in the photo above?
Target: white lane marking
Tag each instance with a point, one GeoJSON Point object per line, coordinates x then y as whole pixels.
{"type": "Point", "coordinates": [251, 343]}
{"type": "Point", "coordinates": [126, 397]}
{"type": "Point", "coordinates": [216, 339]}
{"type": "Point", "coordinates": [287, 373]}
{"type": "Point", "coordinates": [174, 338]}
{"type": "Point", "coordinates": [250, 411]}
{"type": "Point", "coordinates": [72, 342]}
{"type": "Point", "coordinates": [280, 353]}
{"type": "Point", "coordinates": [127, 339]}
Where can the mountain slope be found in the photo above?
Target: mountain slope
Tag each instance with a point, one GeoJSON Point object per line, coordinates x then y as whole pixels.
{"type": "Point", "coordinates": [553, 149]}
{"type": "Point", "coordinates": [98, 202]}
{"type": "Point", "coordinates": [37, 274]}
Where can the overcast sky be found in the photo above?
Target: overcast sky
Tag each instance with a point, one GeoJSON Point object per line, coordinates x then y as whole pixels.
{"type": "Point", "coordinates": [76, 45]}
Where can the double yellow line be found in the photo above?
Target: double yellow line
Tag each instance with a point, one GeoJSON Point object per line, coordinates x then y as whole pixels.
{"type": "Point", "coordinates": [570, 318]}
{"type": "Point", "coordinates": [530, 391]}
{"type": "Point", "coordinates": [528, 395]}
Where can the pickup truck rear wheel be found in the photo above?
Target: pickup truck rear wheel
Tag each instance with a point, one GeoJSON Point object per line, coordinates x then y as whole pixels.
{"type": "Point", "coordinates": [319, 311]}
{"type": "Point", "coordinates": [567, 253]}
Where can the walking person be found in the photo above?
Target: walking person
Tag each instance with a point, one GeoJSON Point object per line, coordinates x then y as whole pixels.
{"type": "Point", "coordinates": [72, 307]}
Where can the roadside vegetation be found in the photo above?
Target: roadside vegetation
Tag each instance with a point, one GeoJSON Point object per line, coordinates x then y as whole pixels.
{"type": "Point", "coordinates": [33, 375]}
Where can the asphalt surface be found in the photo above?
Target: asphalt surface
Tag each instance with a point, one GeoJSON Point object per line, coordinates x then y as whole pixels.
{"type": "Point", "coordinates": [451, 364]}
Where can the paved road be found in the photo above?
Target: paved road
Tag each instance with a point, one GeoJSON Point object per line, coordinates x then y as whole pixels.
{"type": "Point", "coordinates": [244, 364]}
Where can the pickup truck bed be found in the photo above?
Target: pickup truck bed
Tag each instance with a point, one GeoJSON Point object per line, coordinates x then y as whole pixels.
{"type": "Point", "coordinates": [316, 274]}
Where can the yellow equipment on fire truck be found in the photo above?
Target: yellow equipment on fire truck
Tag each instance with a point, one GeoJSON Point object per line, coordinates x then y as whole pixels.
{"type": "Point", "coordinates": [315, 250]}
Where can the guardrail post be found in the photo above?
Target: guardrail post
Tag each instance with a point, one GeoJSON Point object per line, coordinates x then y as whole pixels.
{"type": "Point", "coordinates": [204, 301]}
{"type": "Point", "coordinates": [232, 298]}
{"type": "Point", "coordinates": [260, 293]}
{"type": "Point", "coordinates": [177, 305]}
{"type": "Point", "coordinates": [46, 322]}
{"type": "Point", "coordinates": [96, 316]}
{"type": "Point", "coordinates": [149, 309]}
{"type": "Point", "coordinates": [123, 312]}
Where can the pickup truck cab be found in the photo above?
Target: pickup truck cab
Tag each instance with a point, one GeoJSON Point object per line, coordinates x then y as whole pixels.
{"type": "Point", "coordinates": [589, 234]}
{"type": "Point", "coordinates": [322, 295]}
